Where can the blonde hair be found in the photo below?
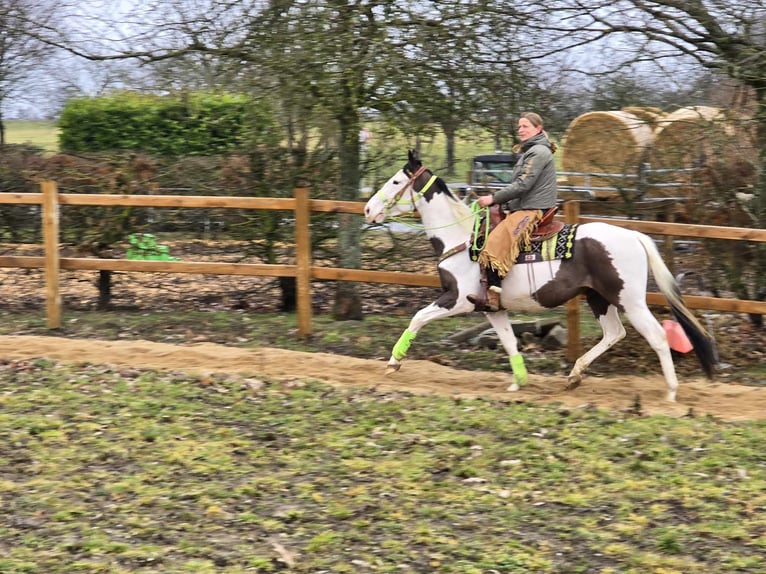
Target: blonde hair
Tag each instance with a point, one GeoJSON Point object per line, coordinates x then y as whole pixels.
{"type": "Point", "coordinates": [537, 121]}
{"type": "Point", "coordinates": [533, 118]}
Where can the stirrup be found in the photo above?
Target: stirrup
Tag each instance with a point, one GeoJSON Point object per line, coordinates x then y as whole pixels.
{"type": "Point", "coordinates": [489, 304]}
{"type": "Point", "coordinates": [493, 298]}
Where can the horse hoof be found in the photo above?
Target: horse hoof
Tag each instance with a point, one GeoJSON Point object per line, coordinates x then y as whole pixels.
{"type": "Point", "coordinates": [573, 383]}
{"type": "Point", "coordinates": [391, 369]}
{"type": "Point", "coordinates": [514, 387]}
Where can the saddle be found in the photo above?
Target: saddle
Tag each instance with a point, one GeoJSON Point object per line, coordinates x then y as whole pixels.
{"type": "Point", "coordinates": [546, 228]}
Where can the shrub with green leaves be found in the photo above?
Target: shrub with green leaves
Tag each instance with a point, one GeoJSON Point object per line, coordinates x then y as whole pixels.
{"type": "Point", "coordinates": [186, 124]}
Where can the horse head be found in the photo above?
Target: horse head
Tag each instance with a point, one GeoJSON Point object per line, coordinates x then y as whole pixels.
{"type": "Point", "coordinates": [401, 192]}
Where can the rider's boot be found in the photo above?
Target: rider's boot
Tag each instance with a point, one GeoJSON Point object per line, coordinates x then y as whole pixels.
{"type": "Point", "coordinates": [489, 298]}
{"type": "Point", "coordinates": [495, 290]}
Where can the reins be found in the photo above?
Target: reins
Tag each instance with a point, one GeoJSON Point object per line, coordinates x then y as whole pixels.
{"type": "Point", "coordinates": [478, 213]}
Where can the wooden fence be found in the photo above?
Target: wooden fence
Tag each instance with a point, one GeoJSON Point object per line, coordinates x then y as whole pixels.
{"type": "Point", "coordinates": [302, 269]}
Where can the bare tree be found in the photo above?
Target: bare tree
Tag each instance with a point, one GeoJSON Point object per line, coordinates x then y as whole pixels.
{"type": "Point", "coordinates": [326, 61]}
{"type": "Point", "coordinates": [22, 54]}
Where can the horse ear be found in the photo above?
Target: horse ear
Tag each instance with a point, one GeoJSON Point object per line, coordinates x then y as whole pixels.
{"type": "Point", "coordinates": [412, 155]}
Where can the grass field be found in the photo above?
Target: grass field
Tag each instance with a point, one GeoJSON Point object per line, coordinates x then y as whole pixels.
{"type": "Point", "coordinates": [121, 470]}
{"type": "Point", "coordinates": [42, 133]}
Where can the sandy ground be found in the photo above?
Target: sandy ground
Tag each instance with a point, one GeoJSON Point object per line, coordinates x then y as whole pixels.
{"type": "Point", "coordinates": [726, 401]}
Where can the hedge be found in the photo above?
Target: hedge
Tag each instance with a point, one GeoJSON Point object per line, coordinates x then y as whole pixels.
{"type": "Point", "coordinates": [191, 124]}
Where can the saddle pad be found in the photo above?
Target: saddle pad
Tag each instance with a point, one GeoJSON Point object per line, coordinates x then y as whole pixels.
{"type": "Point", "coordinates": [558, 246]}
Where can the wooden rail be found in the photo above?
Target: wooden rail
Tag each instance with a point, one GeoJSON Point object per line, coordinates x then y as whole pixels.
{"type": "Point", "coordinates": [303, 270]}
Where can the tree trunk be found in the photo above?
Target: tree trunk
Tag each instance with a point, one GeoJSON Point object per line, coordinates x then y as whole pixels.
{"type": "Point", "coordinates": [348, 303]}
{"type": "Point", "coordinates": [288, 288]}
{"type": "Point", "coordinates": [760, 202]}
{"type": "Point", "coordinates": [104, 290]}
{"type": "Point", "coordinates": [449, 135]}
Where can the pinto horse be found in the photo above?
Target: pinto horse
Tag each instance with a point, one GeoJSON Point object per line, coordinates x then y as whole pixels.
{"type": "Point", "coordinates": [608, 264]}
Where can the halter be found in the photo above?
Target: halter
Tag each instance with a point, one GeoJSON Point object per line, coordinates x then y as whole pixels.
{"type": "Point", "coordinates": [414, 197]}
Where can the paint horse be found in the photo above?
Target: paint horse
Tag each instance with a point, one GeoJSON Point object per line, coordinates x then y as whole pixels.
{"type": "Point", "coordinates": [608, 264]}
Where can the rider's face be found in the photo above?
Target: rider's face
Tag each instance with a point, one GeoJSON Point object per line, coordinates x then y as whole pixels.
{"type": "Point", "coordinates": [527, 130]}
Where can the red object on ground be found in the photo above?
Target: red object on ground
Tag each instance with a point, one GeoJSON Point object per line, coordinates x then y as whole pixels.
{"type": "Point", "coordinates": [677, 339]}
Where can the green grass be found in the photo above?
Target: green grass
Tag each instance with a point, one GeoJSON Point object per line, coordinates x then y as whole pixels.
{"type": "Point", "coordinates": [114, 471]}
{"type": "Point", "coordinates": [44, 133]}
{"type": "Point", "coordinates": [41, 133]}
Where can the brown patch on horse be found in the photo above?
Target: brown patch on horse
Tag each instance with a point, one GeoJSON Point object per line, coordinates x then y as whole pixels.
{"type": "Point", "coordinates": [437, 245]}
{"type": "Point", "coordinates": [596, 302]}
{"type": "Point", "coordinates": [589, 271]}
{"type": "Point", "coordinates": [448, 298]}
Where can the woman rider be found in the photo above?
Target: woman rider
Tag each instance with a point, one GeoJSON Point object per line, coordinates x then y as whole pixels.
{"type": "Point", "coordinates": [531, 193]}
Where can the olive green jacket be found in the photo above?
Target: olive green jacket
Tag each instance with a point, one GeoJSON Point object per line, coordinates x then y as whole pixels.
{"type": "Point", "coordinates": [533, 179]}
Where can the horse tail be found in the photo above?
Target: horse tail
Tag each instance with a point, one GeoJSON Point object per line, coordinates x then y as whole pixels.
{"type": "Point", "coordinates": [701, 340]}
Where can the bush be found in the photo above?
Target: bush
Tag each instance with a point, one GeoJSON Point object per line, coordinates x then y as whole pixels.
{"type": "Point", "coordinates": [193, 124]}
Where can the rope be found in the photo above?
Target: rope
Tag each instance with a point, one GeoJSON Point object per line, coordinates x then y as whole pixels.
{"type": "Point", "coordinates": [421, 227]}
{"type": "Point", "coordinates": [479, 214]}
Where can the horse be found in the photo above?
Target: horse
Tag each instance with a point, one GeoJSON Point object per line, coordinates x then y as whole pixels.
{"type": "Point", "coordinates": [609, 265]}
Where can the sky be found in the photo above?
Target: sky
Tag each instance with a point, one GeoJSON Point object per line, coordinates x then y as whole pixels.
{"type": "Point", "coordinates": [63, 74]}
{"type": "Point", "coordinates": [98, 24]}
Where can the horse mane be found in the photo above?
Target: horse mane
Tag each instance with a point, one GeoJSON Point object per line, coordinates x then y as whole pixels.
{"type": "Point", "coordinates": [463, 214]}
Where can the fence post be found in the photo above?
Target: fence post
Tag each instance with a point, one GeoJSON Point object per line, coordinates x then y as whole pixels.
{"type": "Point", "coordinates": [670, 217]}
{"type": "Point", "coordinates": [51, 245]}
{"type": "Point", "coordinates": [303, 260]}
{"type": "Point", "coordinates": [572, 215]}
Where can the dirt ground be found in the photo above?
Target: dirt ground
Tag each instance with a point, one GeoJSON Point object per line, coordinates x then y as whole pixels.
{"type": "Point", "coordinates": [696, 397]}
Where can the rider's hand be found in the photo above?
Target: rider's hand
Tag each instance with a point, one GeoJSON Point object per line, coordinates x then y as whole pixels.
{"type": "Point", "coordinates": [485, 200]}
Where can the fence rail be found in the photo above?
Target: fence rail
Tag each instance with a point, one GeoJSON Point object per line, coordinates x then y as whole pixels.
{"type": "Point", "coordinates": [303, 270]}
{"type": "Point", "coordinates": [636, 186]}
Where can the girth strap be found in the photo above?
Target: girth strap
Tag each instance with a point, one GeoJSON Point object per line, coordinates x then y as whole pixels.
{"type": "Point", "coordinates": [455, 250]}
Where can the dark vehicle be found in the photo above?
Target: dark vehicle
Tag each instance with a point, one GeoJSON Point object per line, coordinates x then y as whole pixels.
{"type": "Point", "coordinates": [489, 172]}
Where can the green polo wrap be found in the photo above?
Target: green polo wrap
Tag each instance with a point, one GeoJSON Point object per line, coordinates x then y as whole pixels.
{"type": "Point", "coordinates": [403, 345]}
{"type": "Point", "coordinates": [519, 369]}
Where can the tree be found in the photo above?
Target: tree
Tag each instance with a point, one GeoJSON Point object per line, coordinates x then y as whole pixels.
{"type": "Point", "coordinates": [329, 59]}
{"type": "Point", "coordinates": [22, 55]}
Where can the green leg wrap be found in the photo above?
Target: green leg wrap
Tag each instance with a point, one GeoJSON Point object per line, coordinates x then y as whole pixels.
{"type": "Point", "coordinates": [403, 345]}
{"type": "Point", "coordinates": [519, 369]}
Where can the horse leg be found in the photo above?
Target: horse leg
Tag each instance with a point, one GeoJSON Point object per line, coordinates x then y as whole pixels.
{"type": "Point", "coordinates": [648, 326]}
{"type": "Point", "coordinates": [613, 332]}
{"type": "Point", "coordinates": [419, 320]}
{"type": "Point", "coordinates": [501, 324]}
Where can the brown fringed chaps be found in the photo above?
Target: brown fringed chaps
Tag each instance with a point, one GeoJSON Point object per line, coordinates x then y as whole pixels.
{"type": "Point", "coordinates": [505, 241]}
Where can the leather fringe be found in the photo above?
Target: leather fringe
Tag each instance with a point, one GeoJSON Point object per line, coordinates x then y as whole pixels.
{"type": "Point", "coordinates": [505, 241]}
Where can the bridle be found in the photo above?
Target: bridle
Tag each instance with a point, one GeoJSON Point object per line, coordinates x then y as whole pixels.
{"type": "Point", "coordinates": [415, 196]}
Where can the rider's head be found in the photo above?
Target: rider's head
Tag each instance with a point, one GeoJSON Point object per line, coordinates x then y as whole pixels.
{"type": "Point", "coordinates": [530, 124]}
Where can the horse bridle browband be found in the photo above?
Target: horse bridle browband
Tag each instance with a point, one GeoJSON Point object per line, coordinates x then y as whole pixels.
{"type": "Point", "coordinates": [411, 183]}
